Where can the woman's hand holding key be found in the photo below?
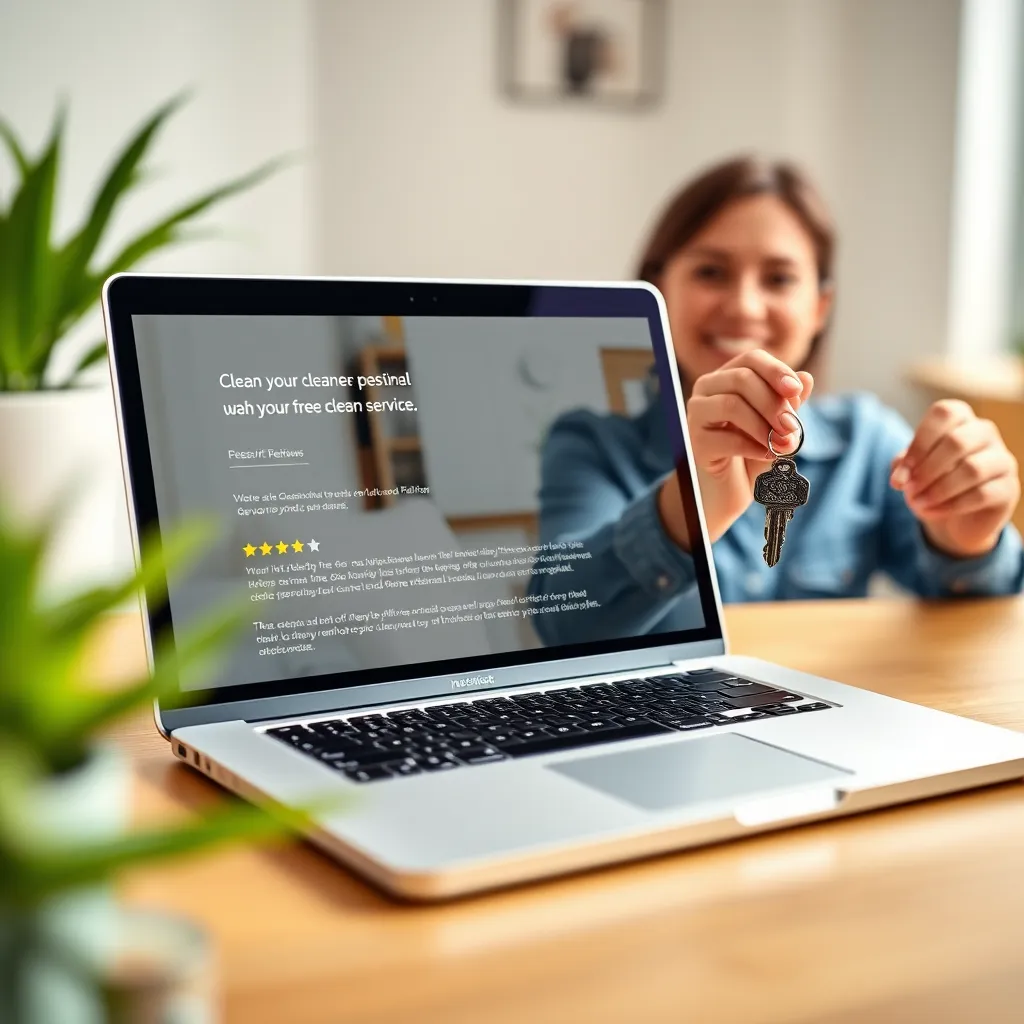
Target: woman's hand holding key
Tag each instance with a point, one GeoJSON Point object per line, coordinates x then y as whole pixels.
{"type": "Point", "coordinates": [729, 414]}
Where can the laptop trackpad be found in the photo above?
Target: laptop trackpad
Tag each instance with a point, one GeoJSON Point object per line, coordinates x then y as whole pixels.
{"type": "Point", "coordinates": [671, 775]}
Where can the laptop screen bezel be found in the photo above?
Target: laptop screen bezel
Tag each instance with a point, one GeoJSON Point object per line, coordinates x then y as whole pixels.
{"type": "Point", "coordinates": [128, 295]}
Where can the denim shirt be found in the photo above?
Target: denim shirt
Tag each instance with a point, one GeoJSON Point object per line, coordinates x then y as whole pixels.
{"type": "Point", "coordinates": [599, 481]}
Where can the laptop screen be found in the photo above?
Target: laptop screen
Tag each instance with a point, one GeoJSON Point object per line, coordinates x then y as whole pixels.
{"type": "Point", "coordinates": [401, 496]}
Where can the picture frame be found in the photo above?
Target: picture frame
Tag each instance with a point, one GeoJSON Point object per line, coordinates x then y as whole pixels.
{"type": "Point", "coordinates": [591, 52]}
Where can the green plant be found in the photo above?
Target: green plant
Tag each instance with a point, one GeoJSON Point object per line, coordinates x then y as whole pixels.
{"type": "Point", "coordinates": [46, 288]}
{"type": "Point", "coordinates": [51, 713]}
{"type": "Point", "coordinates": [50, 716]}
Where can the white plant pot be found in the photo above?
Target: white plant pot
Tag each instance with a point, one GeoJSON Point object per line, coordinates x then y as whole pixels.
{"type": "Point", "coordinates": [62, 446]}
{"type": "Point", "coordinates": [90, 803]}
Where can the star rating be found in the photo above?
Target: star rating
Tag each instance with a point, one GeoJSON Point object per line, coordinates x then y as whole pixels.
{"type": "Point", "coordinates": [281, 547]}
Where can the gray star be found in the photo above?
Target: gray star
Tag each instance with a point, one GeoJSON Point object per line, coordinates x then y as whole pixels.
{"type": "Point", "coordinates": [314, 545]}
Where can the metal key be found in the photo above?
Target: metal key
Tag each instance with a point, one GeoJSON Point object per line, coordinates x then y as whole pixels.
{"type": "Point", "coordinates": [781, 490]}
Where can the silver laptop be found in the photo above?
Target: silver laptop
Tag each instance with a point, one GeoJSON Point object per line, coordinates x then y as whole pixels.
{"type": "Point", "coordinates": [432, 622]}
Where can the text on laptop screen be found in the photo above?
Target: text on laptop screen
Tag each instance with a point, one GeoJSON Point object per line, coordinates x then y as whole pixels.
{"type": "Point", "coordinates": [404, 491]}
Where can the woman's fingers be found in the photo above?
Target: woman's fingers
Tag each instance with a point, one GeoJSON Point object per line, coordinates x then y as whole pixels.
{"type": "Point", "coordinates": [988, 463]}
{"type": "Point", "coordinates": [960, 441]}
{"type": "Point", "coordinates": [744, 385]}
{"type": "Point", "coordinates": [728, 409]}
{"type": "Point", "coordinates": [721, 443]}
{"type": "Point", "coordinates": [999, 492]}
{"type": "Point", "coordinates": [767, 385]}
{"type": "Point", "coordinates": [808, 385]}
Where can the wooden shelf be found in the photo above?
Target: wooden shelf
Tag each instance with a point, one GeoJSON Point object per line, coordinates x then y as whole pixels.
{"type": "Point", "coordinates": [992, 377]}
{"type": "Point", "coordinates": [387, 459]}
{"type": "Point", "coordinates": [404, 444]}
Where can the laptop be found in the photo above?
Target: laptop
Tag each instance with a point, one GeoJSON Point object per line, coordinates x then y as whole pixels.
{"type": "Point", "coordinates": [505, 696]}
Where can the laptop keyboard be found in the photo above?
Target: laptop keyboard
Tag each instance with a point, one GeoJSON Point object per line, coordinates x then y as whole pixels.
{"type": "Point", "coordinates": [443, 737]}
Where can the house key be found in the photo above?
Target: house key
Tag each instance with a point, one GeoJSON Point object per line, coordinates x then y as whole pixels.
{"type": "Point", "coordinates": [780, 489]}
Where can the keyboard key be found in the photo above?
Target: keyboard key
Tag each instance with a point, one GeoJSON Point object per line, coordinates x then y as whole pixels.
{"type": "Point", "coordinates": [368, 721]}
{"type": "Point", "coordinates": [816, 706]}
{"type": "Point", "coordinates": [686, 724]}
{"type": "Point", "coordinates": [501, 737]}
{"type": "Point", "coordinates": [783, 709]}
{"type": "Point", "coordinates": [364, 758]}
{"type": "Point", "coordinates": [480, 755]}
{"type": "Point", "coordinates": [746, 716]}
{"type": "Point", "coordinates": [367, 774]}
{"type": "Point", "coordinates": [390, 744]}
{"type": "Point", "coordinates": [565, 730]}
{"type": "Point", "coordinates": [708, 686]}
{"type": "Point", "coordinates": [753, 701]}
{"type": "Point", "coordinates": [746, 689]}
{"type": "Point", "coordinates": [293, 734]}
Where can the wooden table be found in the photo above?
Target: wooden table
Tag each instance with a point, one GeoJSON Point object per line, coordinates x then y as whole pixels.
{"type": "Point", "coordinates": [912, 914]}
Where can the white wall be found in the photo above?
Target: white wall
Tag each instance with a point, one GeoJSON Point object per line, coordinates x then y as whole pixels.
{"type": "Point", "coordinates": [248, 65]}
{"type": "Point", "coordinates": [426, 169]}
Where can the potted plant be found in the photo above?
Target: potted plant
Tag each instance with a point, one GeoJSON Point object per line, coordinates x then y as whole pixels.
{"type": "Point", "coordinates": [55, 433]}
{"type": "Point", "coordinates": [63, 793]}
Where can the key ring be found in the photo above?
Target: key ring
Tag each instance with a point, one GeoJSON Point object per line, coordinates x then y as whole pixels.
{"type": "Point", "coordinates": [786, 455]}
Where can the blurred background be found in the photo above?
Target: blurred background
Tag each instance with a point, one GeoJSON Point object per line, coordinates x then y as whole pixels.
{"type": "Point", "coordinates": [424, 147]}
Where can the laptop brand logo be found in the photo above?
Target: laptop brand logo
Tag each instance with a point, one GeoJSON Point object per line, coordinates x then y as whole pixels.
{"type": "Point", "coordinates": [462, 684]}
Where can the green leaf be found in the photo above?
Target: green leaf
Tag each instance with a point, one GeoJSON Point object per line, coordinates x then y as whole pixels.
{"type": "Point", "coordinates": [28, 284]}
{"type": "Point", "coordinates": [160, 555]}
{"type": "Point", "coordinates": [75, 720]}
{"type": "Point", "coordinates": [122, 177]}
{"type": "Point", "coordinates": [45, 872]}
{"type": "Point", "coordinates": [166, 231]}
{"type": "Point", "coordinates": [14, 148]}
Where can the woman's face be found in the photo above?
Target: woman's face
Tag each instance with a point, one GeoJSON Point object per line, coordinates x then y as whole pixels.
{"type": "Point", "coordinates": [748, 280]}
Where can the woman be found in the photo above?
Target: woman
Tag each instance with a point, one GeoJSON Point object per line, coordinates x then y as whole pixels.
{"type": "Point", "coordinates": [744, 258]}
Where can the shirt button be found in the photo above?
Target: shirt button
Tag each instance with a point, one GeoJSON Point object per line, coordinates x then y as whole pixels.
{"type": "Point", "coordinates": [959, 586]}
{"type": "Point", "coordinates": [663, 581]}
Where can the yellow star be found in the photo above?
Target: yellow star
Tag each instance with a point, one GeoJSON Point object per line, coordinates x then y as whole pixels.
{"type": "Point", "coordinates": [266, 548]}
{"type": "Point", "coordinates": [297, 546]}
{"type": "Point", "coordinates": [249, 550]}
{"type": "Point", "coordinates": [282, 548]}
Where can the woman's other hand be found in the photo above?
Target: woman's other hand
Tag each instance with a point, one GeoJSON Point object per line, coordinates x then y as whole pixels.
{"type": "Point", "coordinates": [729, 415]}
{"type": "Point", "coordinates": [959, 479]}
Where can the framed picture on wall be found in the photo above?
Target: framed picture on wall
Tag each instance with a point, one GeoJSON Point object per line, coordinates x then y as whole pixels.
{"type": "Point", "coordinates": [583, 51]}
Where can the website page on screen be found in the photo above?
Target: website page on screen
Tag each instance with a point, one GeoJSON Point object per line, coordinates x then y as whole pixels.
{"type": "Point", "coordinates": [376, 481]}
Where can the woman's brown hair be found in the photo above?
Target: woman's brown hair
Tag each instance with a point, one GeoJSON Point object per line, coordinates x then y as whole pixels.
{"type": "Point", "coordinates": [703, 197]}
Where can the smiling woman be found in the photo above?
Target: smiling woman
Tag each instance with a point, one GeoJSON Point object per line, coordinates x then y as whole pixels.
{"type": "Point", "coordinates": [743, 255]}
